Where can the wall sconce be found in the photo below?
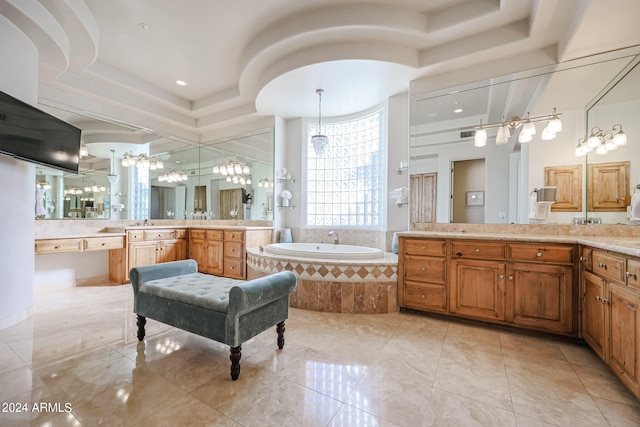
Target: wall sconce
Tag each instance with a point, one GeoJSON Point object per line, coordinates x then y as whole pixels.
{"type": "Point", "coordinates": [232, 167]}
{"type": "Point", "coordinates": [141, 161]}
{"type": "Point", "coordinates": [601, 141]}
{"type": "Point", "coordinates": [173, 176]}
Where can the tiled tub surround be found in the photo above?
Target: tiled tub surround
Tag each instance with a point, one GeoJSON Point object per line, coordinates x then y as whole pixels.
{"type": "Point", "coordinates": [336, 286]}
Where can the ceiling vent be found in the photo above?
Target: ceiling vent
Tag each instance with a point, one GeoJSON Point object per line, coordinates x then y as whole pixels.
{"type": "Point", "coordinates": [466, 134]}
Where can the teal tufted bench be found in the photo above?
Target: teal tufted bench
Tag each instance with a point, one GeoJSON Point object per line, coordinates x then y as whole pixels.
{"type": "Point", "coordinates": [226, 310]}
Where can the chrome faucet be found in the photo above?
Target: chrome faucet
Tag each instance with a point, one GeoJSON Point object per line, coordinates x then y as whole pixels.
{"type": "Point", "coordinates": [336, 240]}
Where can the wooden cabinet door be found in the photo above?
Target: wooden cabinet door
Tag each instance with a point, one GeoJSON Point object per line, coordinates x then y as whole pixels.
{"type": "Point", "coordinates": [624, 330]}
{"type": "Point", "coordinates": [477, 288]}
{"type": "Point", "coordinates": [172, 250]}
{"type": "Point", "coordinates": [197, 248]}
{"type": "Point", "coordinates": [593, 312]}
{"type": "Point", "coordinates": [143, 253]}
{"type": "Point", "coordinates": [423, 197]}
{"type": "Point", "coordinates": [540, 297]}
{"type": "Point", "coordinates": [214, 257]}
{"type": "Point", "coordinates": [608, 187]}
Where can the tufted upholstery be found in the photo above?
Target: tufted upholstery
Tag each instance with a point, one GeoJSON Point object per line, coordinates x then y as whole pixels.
{"type": "Point", "coordinates": [226, 310]}
{"type": "Point", "coordinates": [195, 289]}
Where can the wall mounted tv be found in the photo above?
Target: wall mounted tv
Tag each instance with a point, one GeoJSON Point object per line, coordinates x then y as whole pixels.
{"type": "Point", "coordinates": [30, 134]}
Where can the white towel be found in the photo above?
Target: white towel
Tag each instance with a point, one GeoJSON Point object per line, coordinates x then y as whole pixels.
{"type": "Point", "coordinates": [635, 205]}
{"type": "Point", "coordinates": [40, 210]}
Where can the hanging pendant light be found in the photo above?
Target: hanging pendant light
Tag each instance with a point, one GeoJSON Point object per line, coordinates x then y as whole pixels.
{"type": "Point", "coordinates": [319, 141]}
{"type": "Point", "coordinates": [112, 177]}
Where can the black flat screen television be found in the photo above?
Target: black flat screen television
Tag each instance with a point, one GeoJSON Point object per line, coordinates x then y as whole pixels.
{"type": "Point", "coordinates": [30, 134]}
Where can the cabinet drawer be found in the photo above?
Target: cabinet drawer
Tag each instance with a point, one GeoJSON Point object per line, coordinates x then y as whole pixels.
{"type": "Point", "coordinates": [215, 235]}
{"type": "Point", "coordinates": [424, 296]}
{"type": "Point", "coordinates": [232, 249]}
{"type": "Point", "coordinates": [159, 235]}
{"type": "Point", "coordinates": [609, 266]}
{"type": "Point", "coordinates": [425, 269]}
{"type": "Point", "coordinates": [425, 247]}
{"type": "Point", "coordinates": [103, 243]}
{"type": "Point", "coordinates": [478, 250]}
{"type": "Point", "coordinates": [540, 253]}
{"type": "Point", "coordinates": [633, 273]}
{"type": "Point", "coordinates": [198, 234]}
{"type": "Point", "coordinates": [135, 236]}
{"type": "Point", "coordinates": [233, 236]}
{"type": "Point", "coordinates": [234, 268]}
{"type": "Point", "coordinates": [59, 245]}
{"type": "Point", "coordinates": [181, 233]}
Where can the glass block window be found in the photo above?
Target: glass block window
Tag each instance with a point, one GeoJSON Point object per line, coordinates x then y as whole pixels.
{"type": "Point", "coordinates": [345, 186]}
{"type": "Point", "coordinates": [141, 192]}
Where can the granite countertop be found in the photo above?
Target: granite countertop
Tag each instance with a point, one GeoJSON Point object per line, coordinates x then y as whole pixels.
{"type": "Point", "coordinates": [121, 231]}
{"type": "Point", "coordinates": [628, 246]}
{"type": "Point", "coordinates": [80, 235]}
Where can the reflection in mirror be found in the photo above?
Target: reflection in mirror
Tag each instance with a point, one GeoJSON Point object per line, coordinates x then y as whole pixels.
{"type": "Point", "coordinates": [442, 133]}
{"type": "Point", "coordinates": [614, 165]}
{"type": "Point", "coordinates": [108, 187]}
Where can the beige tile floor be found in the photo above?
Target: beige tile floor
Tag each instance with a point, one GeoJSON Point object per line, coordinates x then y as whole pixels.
{"type": "Point", "coordinates": [79, 351]}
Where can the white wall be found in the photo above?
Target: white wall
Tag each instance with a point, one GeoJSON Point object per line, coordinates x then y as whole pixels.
{"type": "Point", "coordinates": [18, 78]}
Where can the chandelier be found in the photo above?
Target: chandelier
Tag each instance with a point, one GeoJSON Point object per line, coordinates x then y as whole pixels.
{"type": "Point", "coordinates": [141, 161]}
{"type": "Point", "coordinates": [232, 167]}
{"type": "Point", "coordinates": [554, 125]}
{"type": "Point", "coordinates": [42, 183]}
{"type": "Point", "coordinates": [94, 188]}
{"type": "Point", "coordinates": [319, 141]}
{"type": "Point", "coordinates": [173, 176]}
{"type": "Point", "coordinates": [112, 177]}
{"type": "Point", "coordinates": [601, 141]}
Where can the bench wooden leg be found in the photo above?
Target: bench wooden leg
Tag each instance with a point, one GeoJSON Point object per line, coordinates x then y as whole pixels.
{"type": "Point", "coordinates": [280, 330]}
{"type": "Point", "coordinates": [235, 362]}
{"type": "Point", "coordinates": [141, 322]}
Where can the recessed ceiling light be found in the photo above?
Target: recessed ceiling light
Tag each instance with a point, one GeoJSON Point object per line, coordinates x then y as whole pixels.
{"type": "Point", "coordinates": [178, 161]}
{"type": "Point", "coordinates": [181, 83]}
{"type": "Point", "coordinates": [143, 26]}
{"type": "Point", "coordinates": [458, 110]}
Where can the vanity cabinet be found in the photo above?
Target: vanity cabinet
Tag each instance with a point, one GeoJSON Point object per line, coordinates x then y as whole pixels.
{"type": "Point", "coordinates": [205, 247]}
{"type": "Point", "coordinates": [156, 246]}
{"type": "Point", "coordinates": [223, 251]}
{"type": "Point", "coordinates": [540, 287]}
{"type": "Point", "coordinates": [529, 285]}
{"type": "Point", "coordinates": [611, 313]}
{"type": "Point", "coordinates": [422, 274]}
{"type": "Point", "coordinates": [478, 279]}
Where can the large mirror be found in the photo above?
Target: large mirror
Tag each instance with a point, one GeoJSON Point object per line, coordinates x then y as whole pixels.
{"type": "Point", "coordinates": [454, 181]}
{"type": "Point", "coordinates": [181, 179]}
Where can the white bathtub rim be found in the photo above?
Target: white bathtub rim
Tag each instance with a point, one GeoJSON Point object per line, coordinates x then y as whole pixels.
{"type": "Point", "coordinates": [326, 251]}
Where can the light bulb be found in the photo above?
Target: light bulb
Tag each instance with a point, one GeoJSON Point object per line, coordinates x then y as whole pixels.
{"type": "Point", "coordinates": [620, 138]}
{"type": "Point", "coordinates": [503, 135]}
{"type": "Point", "coordinates": [480, 139]}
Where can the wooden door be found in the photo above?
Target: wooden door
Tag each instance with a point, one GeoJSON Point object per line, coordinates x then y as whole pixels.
{"type": "Point", "coordinates": [477, 288]}
{"type": "Point", "coordinates": [422, 196]}
{"type": "Point", "coordinates": [624, 330]}
{"type": "Point", "coordinates": [593, 312]}
{"type": "Point", "coordinates": [231, 200]}
{"type": "Point", "coordinates": [540, 297]}
{"type": "Point", "coordinates": [608, 187]}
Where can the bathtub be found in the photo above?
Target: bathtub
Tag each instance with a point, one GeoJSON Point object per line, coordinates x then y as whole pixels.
{"type": "Point", "coordinates": [324, 250]}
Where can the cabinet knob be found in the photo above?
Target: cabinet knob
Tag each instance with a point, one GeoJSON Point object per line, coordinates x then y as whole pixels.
{"type": "Point", "coordinates": [602, 265]}
{"type": "Point", "coordinates": [501, 276]}
{"type": "Point", "coordinates": [598, 298]}
{"type": "Point", "coordinates": [424, 247]}
{"type": "Point", "coordinates": [423, 296]}
{"type": "Point", "coordinates": [510, 277]}
{"type": "Point", "coordinates": [631, 275]}
{"type": "Point", "coordinates": [539, 254]}
{"type": "Point", "coordinates": [56, 247]}
{"type": "Point", "coordinates": [476, 250]}
{"type": "Point", "coordinates": [581, 259]}
{"type": "Point", "coordinates": [424, 268]}
{"type": "Point", "coordinates": [458, 253]}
